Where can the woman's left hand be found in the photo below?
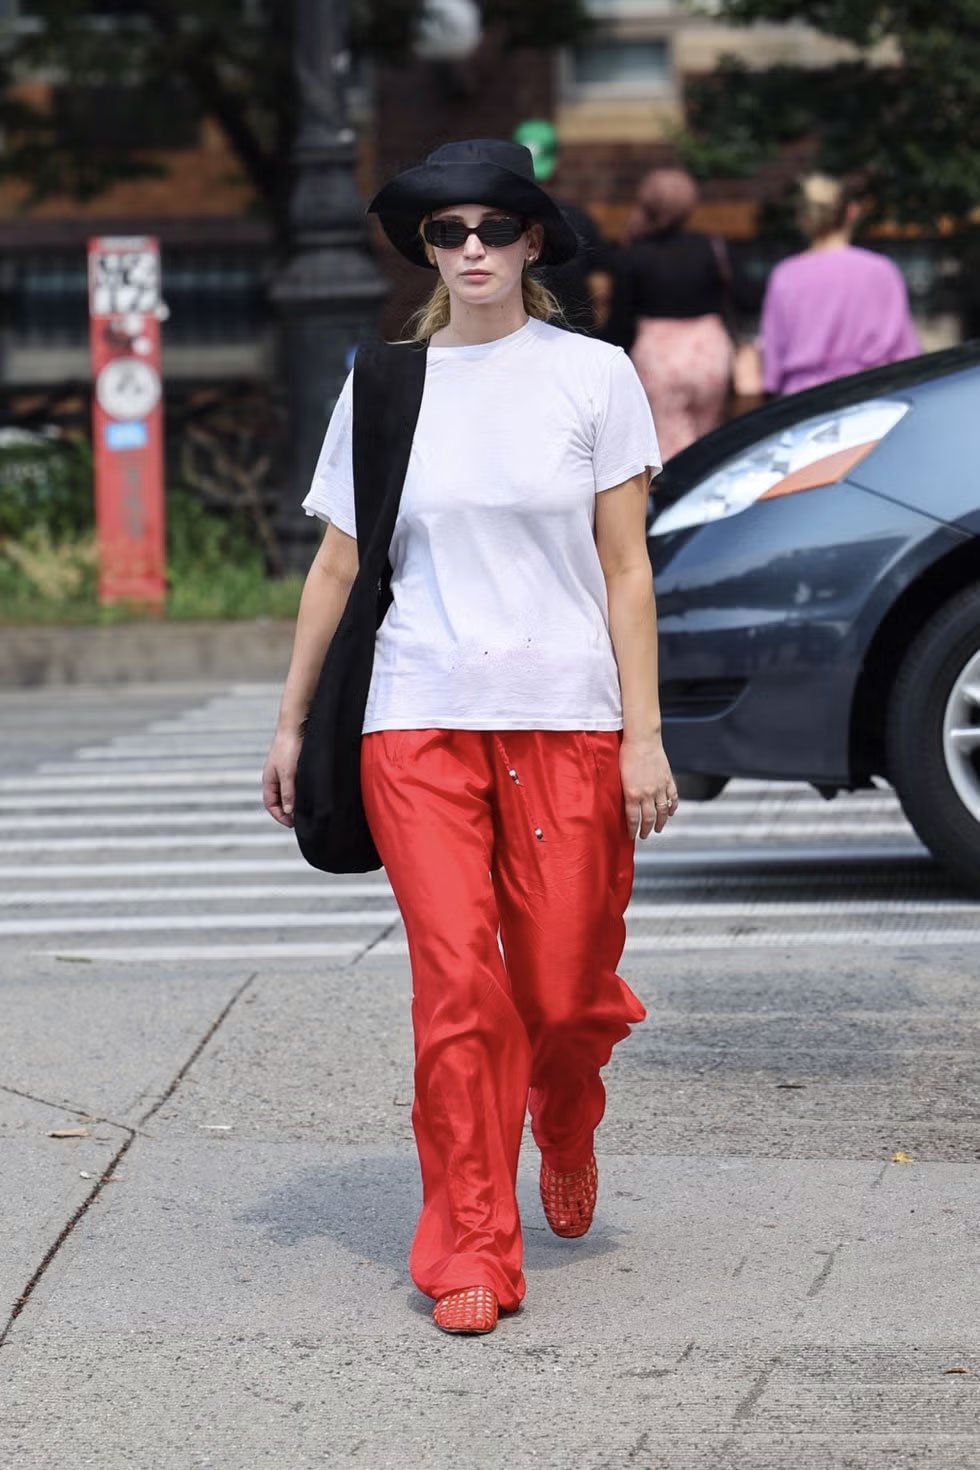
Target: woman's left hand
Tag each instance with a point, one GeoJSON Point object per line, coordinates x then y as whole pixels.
{"type": "Point", "coordinates": [649, 789]}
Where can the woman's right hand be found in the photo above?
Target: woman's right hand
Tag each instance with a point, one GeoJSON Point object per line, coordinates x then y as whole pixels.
{"type": "Point", "coordinates": [279, 776]}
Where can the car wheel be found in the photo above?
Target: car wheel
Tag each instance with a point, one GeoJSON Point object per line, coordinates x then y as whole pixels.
{"type": "Point", "coordinates": [933, 737]}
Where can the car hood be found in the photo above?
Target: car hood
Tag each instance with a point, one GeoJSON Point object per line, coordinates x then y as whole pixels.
{"type": "Point", "coordinates": [907, 379]}
{"type": "Point", "coordinates": [930, 462]}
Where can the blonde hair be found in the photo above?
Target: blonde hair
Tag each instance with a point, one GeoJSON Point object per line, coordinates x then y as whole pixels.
{"type": "Point", "coordinates": [822, 206]}
{"type": "Point", "coordinates": [433, 314]}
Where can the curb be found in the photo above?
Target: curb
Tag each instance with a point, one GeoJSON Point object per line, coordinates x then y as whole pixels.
{"type": "Point", "coordinates": [33, 657]}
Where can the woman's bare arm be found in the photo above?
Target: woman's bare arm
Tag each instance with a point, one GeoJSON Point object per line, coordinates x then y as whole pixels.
{"type": "Point", "coordinates": [621, 542]}
{"type": "Point", "coordinates": [322, 604]}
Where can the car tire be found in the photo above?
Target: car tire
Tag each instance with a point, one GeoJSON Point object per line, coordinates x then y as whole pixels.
{"type": "Point", "coordinates": [938, 778]}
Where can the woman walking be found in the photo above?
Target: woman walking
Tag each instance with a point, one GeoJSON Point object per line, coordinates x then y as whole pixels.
{"type": "Point", "coordinates": [511, 747]}
{"type": "Point", "coordinates": [670, 293]}
{"type": "Point", "coordinates": [833, 309]}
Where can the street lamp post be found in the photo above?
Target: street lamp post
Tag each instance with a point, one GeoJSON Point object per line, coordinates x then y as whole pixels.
{"type": "Point", "coordinates": [329, 291]}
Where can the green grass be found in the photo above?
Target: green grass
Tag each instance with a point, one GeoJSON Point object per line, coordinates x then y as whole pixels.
{"type": "Point", "coordinates": [214, 571]}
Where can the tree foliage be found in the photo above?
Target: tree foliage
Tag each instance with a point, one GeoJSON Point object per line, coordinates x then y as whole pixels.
{"type": "Point", "coordinates": [906, 130]}
{"type": "Point", "coordinates": [217, 58]}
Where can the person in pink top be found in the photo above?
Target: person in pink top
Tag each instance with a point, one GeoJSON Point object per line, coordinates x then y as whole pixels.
{"type": "Point", "coordinates": [834, 309]}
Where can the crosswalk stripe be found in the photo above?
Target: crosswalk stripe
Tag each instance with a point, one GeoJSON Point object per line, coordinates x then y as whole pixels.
{"type": "Point", "coordinates": [783, 939]}
{"type": "Point", "coordinates": [202, 765]}
{"type": "Point", "coordinates": [288, 861]}
{"type": "Point", "coordinates": [201, 797]}
{"type": "Point", "coordinates": [832, 828]}
{"type": "Point", "coordinates": [145, 843]}
{"type": "Point", "coordinates": [83, 801]}
{"type": "Point", "coordinates": [139, 923]}
{"type": "Point", "coordinates": [653, 856]}
{"type": "Point", "coordinates": [156, 750]}
{"type": "Point", "coordinates": [706, 912]}
{"type": "Point", "coordinates": [708, 908]}
{"type": "Point", "coordinates": [270, 834]}
{"type": "Point", "coordinates": [93, 821]}
{"type": "Point", "coordinates": [187, 893]}
{"type": "Point", "coordinates": [92, 781]}
{"type": "Point", "coordinates": [199, 954]}
{"type": "Point", "coordinates": [171, 812]}
{"type": "Point", "coordinates": [386, 949]}
{"type": "Point", "coordinates": [654, 870]}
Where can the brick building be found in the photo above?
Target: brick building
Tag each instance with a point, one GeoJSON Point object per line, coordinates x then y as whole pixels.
{"type": "Point", "coordinates": [616, 101]}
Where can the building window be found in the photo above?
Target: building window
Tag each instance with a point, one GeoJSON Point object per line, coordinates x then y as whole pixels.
{"type": "Point", "coordinates": [621, 64]}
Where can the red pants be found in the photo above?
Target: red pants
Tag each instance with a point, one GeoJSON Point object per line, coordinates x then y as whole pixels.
{"type": "Point", "coordinates": [517, 840]}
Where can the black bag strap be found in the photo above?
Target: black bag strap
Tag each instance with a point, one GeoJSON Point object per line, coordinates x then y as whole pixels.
{"type": "Point", "coordinates": [388, 381]}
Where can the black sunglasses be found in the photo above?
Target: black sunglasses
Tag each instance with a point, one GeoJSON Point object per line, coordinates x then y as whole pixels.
{"type": "Point", "coordinates": [451, 234]}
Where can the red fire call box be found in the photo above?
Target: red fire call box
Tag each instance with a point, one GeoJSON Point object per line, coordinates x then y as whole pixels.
{"type": "Point", "coordinates": [127, 418]}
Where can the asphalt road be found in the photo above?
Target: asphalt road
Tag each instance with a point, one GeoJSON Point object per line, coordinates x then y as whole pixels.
{"type": "Point", "coordinates": [784, 1267]}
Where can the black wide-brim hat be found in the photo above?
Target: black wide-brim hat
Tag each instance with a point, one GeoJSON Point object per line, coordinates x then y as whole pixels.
{"type": "Point", "coordinates": [478, 171]}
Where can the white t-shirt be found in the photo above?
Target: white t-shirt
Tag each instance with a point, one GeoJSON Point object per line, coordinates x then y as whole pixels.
{"type": "Point", "coordinates": [500, 618]}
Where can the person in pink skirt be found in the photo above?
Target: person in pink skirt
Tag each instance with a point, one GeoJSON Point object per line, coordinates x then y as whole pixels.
{"type": "Point", "coordinates": [668, 311]}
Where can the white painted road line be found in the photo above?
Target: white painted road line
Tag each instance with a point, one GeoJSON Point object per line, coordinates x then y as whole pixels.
{"type": "Point", "coordinates": [274, 835]}
{"type": "Point", "coordinates": [288, 862]}
{"type": "Point", "coordinates": [145, 923]}
{"type": "Point", "coordinates": [253, 953]}
{"type": "Point", "coordinates": [798, 939]}
{"type": "Point", "coordinates": [832, 827]}
{"type": "Point", "coordinates": [784, 862]}
{"type": "Point", "coordinates": [97, 801]}
{"type": "Point", "coordinates": [187, 893]}
{"type": "Point", "coordinates": [191, 840]}
{"type": "Point", "coordinates": [772, 908]}
{"type": "Point", "coordinates": [654, 876]}
{"type": "Point", "coordinates": [705, 913]}
{"type": "Point", "coordinates": [203, 765]}
{"type": "Point", "coordinates": [843, 859]}
{"type": "Point", "coordinates": [203, 955]}
{"type": "Point", "coordinates": [707, 907]}
{"type": "Point", "coordinates": [200, 798]}
{"type": "Point", "coordinates": [160, 750]}
{"type": "Point", "coordinates": [120, 821]}
{"type": "Point", "coordinates": [92, 781]}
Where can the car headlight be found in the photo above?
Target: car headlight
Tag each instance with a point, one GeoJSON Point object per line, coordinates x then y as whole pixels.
{"type": "Point", "coordinates": [816, 452]}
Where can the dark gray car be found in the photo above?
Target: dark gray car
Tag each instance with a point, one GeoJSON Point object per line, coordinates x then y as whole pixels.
{"type": "Point", "coordinates": [817, 566]}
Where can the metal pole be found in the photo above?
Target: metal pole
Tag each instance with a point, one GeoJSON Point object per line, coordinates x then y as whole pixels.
{"type": "Point", "coordinates": [329, 291]}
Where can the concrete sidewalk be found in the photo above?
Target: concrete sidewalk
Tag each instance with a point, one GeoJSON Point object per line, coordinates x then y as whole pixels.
{"type": "Point", "coordinates": [216, 1275]}
{"type": "Point", "coordinates": [124, 653]}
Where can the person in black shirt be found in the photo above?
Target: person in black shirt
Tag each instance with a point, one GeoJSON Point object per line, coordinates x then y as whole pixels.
{"type": "Point", "coordinates": [671, 293]}
{"type": "Point", "coordinates": [573, 285]}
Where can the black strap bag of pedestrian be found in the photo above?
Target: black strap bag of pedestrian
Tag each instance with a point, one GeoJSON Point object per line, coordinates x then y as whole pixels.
{"type": "Point", "coordinates": [330, 823]}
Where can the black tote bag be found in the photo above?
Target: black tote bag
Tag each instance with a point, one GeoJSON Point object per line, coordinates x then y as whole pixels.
{"type": "Point", "coordinates": [330, 824]}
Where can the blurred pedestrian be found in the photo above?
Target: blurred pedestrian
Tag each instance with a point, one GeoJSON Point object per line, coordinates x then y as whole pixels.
{"type": "Point", "coordinates": [835, 308]}
{"type": "Point", "coordinates": [511, 748]}
{"type": "Point", "coordinates": [671, 292]}
{"type": "Point", "coordinates": [581, 285]}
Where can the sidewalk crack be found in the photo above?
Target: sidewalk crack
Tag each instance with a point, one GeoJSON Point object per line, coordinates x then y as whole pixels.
{"type": "Point", "coordinates": [22, 1300]}
{"type": "Point", "coordinates": [745, 1406]}
{"type": "Point", "coordinates": [65, 1107]}
{"type": "Point", "coordinates": [820, 1280]}
{"type": "Point", "coordinates": [378, 939]}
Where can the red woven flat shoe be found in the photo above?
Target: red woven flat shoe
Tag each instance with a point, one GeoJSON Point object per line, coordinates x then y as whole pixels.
{"type": "Point", "coordinates": [569, 1199]}
{"type": "Point", "coordinates": [474, 1309]}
